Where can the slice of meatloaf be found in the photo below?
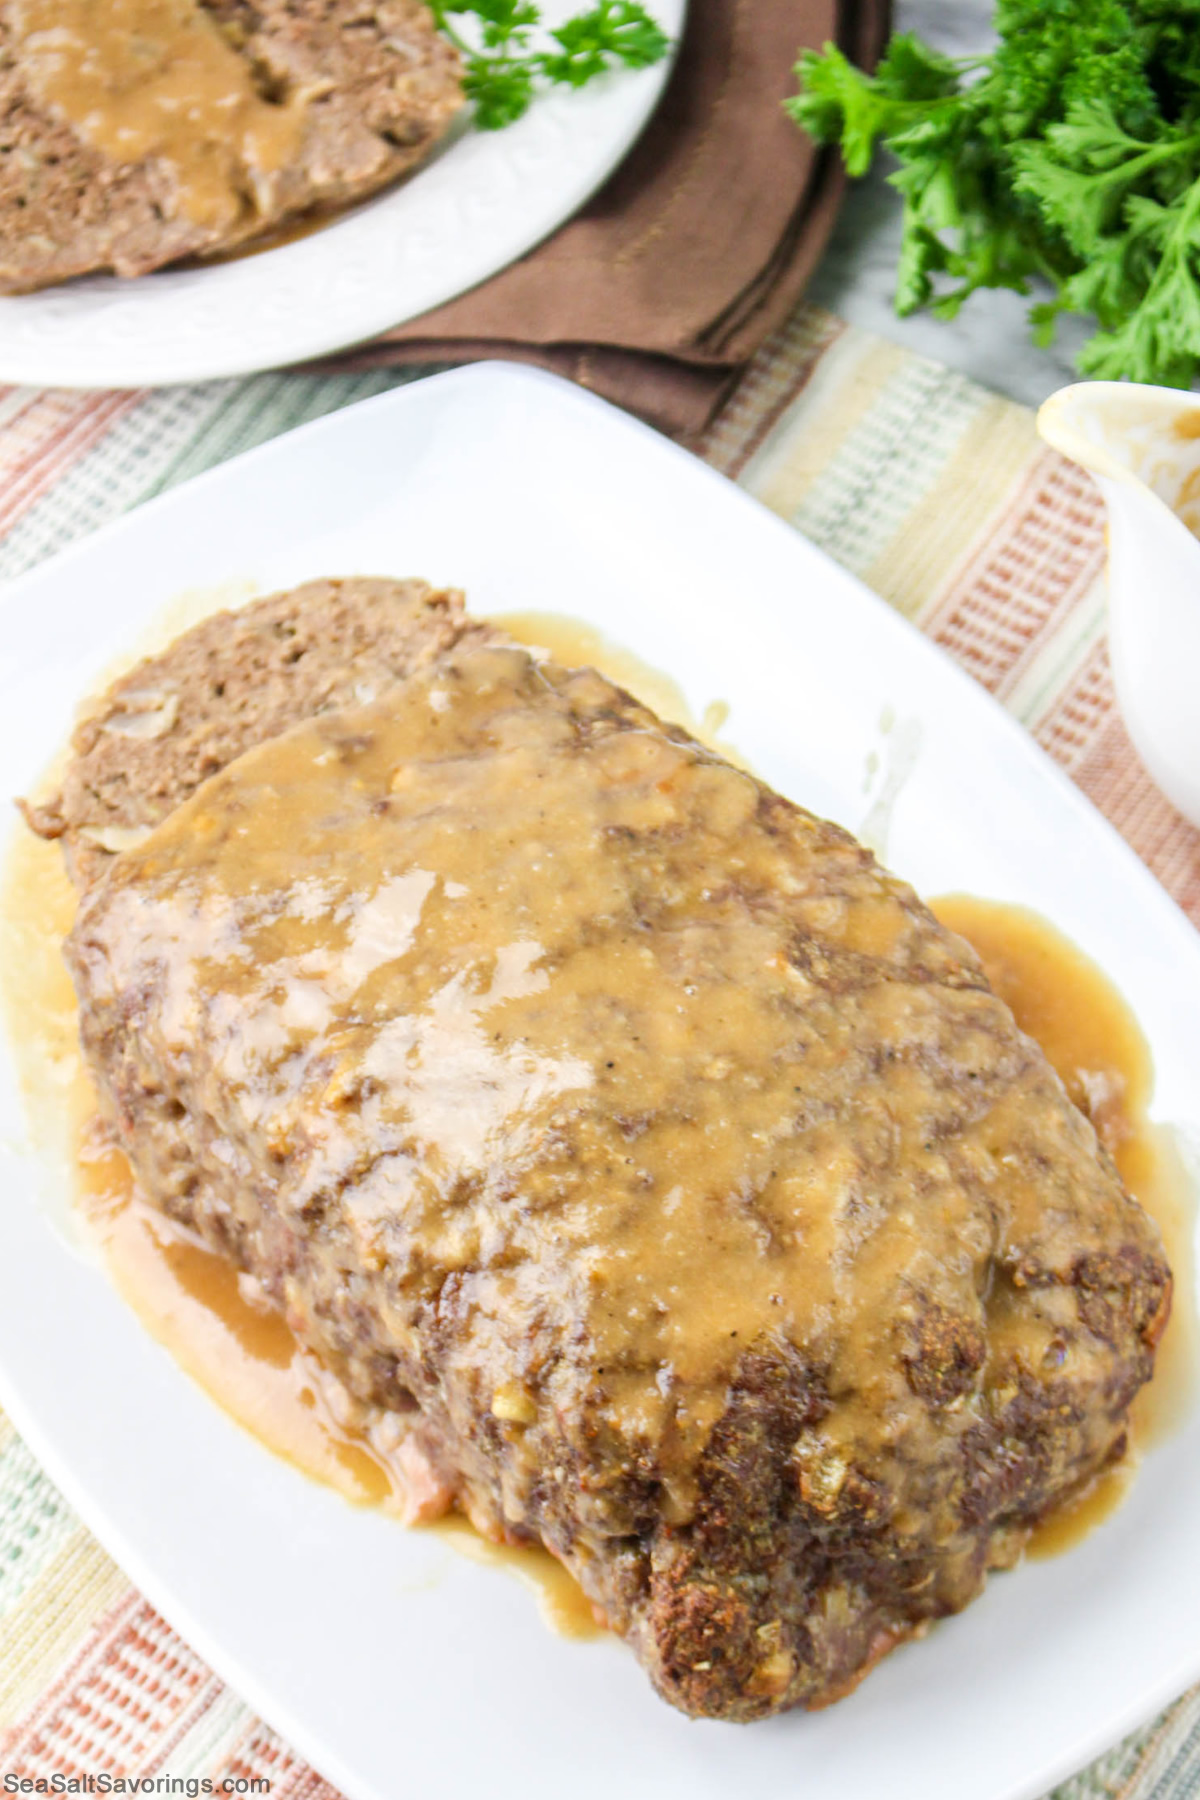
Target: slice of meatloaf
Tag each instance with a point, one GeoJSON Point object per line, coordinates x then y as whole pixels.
{"type": "Point", "coordinates": [562, 1079]}
{"type": "Point", "coordinates": [375, 84]}
{"type": "Point", "coordinates": [232, 681]}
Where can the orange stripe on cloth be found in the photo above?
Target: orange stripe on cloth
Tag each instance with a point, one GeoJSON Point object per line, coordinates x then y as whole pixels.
{"type": "Point", "coordinates": [263, 1753]}
{"type": "Point", "coordinates": [130, 1684]}
{"type": "Point", "coordinates": [1035, 563]}
{"type": "Point", "coordinates": [1113, 777]}
{"type": "Point", "coordinates": [56, 431]}
{"type": "Point", "coordinates": [1083, 731]}
{"type": "Point", "coordinates": [780, 371]}
{"type": "Point", "coordinates": [1079, 711]}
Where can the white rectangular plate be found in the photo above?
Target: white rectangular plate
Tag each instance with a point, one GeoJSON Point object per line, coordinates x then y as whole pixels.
{"type": "Point", "coordinates": [396, 1667]}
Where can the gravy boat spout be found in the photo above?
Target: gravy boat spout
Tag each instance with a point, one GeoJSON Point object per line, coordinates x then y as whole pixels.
{"type": "Point", "coordinates": [1142, 446]}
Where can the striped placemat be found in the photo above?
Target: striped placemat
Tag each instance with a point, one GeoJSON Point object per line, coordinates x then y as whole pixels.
{"type": "Point", "coordinates": [933, 490]}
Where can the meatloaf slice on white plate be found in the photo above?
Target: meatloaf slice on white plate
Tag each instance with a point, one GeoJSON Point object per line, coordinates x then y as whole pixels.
{"type": "Point", "coordinates": [137, 132]}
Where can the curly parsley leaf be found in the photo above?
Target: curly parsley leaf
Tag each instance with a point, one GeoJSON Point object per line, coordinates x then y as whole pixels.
{"type": "Point", "coordinates": [837, 101]}
{"type": "Point", "coordinates": [503, 21]}
{"type": "Point", "coordinates": [614, 31]}
{"type": "Point", "coordinates": [1070, 155]}
{"type": "Point", "coordinates": [505, 66]}
{"type": "Point", "coordinates": [501, 88]}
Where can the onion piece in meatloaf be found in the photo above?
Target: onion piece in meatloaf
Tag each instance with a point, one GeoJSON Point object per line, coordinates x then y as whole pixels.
{"type": "Point", "coordinates": [565, 1083]}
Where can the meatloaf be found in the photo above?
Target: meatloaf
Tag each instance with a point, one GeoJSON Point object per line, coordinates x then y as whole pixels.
{"type": "Point", "coordinates": [200, 124]}
{"type": "Point", "coordinates": [233, 680]}
{"type": "Point", "coordinates": [583, 1099]}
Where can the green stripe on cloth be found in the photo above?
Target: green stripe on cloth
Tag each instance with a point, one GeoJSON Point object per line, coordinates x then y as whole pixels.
{"type": "Point", "coordinates": [888, 463]}
{"type": "Point", "coordinates": [251, 412]}
{"type": "Point", "coordinates": [168, 436]}
{"type": "Point", "coordinates": [34, 1523]}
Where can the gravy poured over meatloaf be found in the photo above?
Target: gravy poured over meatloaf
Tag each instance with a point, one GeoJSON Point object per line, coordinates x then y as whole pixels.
{"type": "Point", "coordinates": [232, 681]}
{"type": "Point", "coordinates": [570, 1089]}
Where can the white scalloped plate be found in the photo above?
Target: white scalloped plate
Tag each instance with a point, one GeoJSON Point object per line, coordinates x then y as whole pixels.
{"type": "Point", "coordinates": [483, 201]}
{"type": "Point", "coordinates": [398, 1668]}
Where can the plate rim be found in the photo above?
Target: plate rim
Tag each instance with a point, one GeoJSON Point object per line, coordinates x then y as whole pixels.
{"type": "Point", "coordinates": [215, 356]}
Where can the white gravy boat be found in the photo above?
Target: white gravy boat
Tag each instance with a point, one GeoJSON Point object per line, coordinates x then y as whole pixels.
{"type": "Point", "coordinates": [1142, 445]}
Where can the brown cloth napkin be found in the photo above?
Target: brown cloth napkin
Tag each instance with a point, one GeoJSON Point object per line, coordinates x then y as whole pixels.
{"type": "Point", "coordinates": [667, 282]}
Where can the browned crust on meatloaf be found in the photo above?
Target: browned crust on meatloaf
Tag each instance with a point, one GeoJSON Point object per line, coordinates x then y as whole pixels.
{"type": "Point", "coordinates": [864, 1471]}
{"type": "Point", "coordinates": [385, 86]}
{"type": "Point", "coordinates": [234, 680]}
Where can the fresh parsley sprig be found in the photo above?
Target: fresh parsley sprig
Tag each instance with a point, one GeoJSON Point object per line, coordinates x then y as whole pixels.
{"type": "Point", "coordinates": [1071, 153]}
{"type": "Point", "coordinates": [510, 59]}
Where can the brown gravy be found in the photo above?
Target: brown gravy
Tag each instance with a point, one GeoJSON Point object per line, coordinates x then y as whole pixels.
{"type": "Point", "coordinates": [535, 1004]}
{"type": "Point", "coordinates": [573, 644]}
{"type": "Point", "coordinates": [293, 232]}
{"type": "Point", "coordinates": [157, 79]}
{"type": "Point", "coordinates": [244, 1356]}
{"type": "Point", "coordinates": [1086, 1029]}
{"type": "Point", "coordinates": [249, 1360]}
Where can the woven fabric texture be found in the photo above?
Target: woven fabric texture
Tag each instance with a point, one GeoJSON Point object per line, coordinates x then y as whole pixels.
{"type": "Point", "coordinates": [936, 493]}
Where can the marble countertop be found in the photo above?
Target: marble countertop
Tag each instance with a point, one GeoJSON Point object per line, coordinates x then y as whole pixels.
{"type": "Point", "coordinates": [990, 339]}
